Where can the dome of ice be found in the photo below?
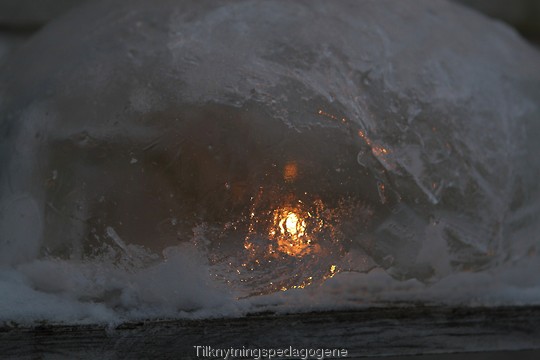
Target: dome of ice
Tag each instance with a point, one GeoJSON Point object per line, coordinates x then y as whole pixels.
{"type": "Point", "coordinates": [170, 152]}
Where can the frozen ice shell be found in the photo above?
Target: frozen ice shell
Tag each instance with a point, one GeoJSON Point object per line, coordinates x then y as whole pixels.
{"type": "Point", "coordinates": [423, 111]}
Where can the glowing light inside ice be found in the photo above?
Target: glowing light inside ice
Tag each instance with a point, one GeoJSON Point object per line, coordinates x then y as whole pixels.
{"type": "Point", "coordinates": [292, 239]}
{"type": "Point", "coordinates": [290, 172]}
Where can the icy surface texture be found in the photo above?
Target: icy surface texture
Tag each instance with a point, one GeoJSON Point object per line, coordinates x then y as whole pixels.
{"type": "Point", "coordinates": [284, 141]}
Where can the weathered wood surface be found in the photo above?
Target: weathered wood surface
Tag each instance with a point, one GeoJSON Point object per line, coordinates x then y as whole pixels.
{"type": "Point", "coordinates": [369, 332]}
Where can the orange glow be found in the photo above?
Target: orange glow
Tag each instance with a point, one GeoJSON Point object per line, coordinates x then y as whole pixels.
{"type": "Point", "coordinates": [292, 238]}
{"type": "Point", "coordinates": [364, 137]}
{"type": "Point", "coordinates": [380, 152]}
{"type": "Point", "coordinates": [292, 241]}
{"type": "Point", "coordinates": [330, 116]}
{"type": "Point", "coordinates": [294, 226]}
{"type": "Point", "coordinates": [292, 231]}
{"type": "Point", "coordinates": [376, 149]}
{"type": "Point", "coordinates": [290, 172]}
{"type": "Point", "coordinates": [305, 283]}
{"type": "Point", "coordinates": [382, 194]}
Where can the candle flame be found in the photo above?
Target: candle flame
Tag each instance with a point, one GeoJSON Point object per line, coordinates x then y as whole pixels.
{"type": "Point", "coordinates": [292, 243]}
{"type": "Point", "coordinates": [292, 239]}
{"type": "Point", "coordinates": [292, 225]}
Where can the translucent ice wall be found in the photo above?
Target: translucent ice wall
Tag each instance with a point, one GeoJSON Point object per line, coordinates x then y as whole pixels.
{"type": "Point", "coordinates": [165, 156]}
